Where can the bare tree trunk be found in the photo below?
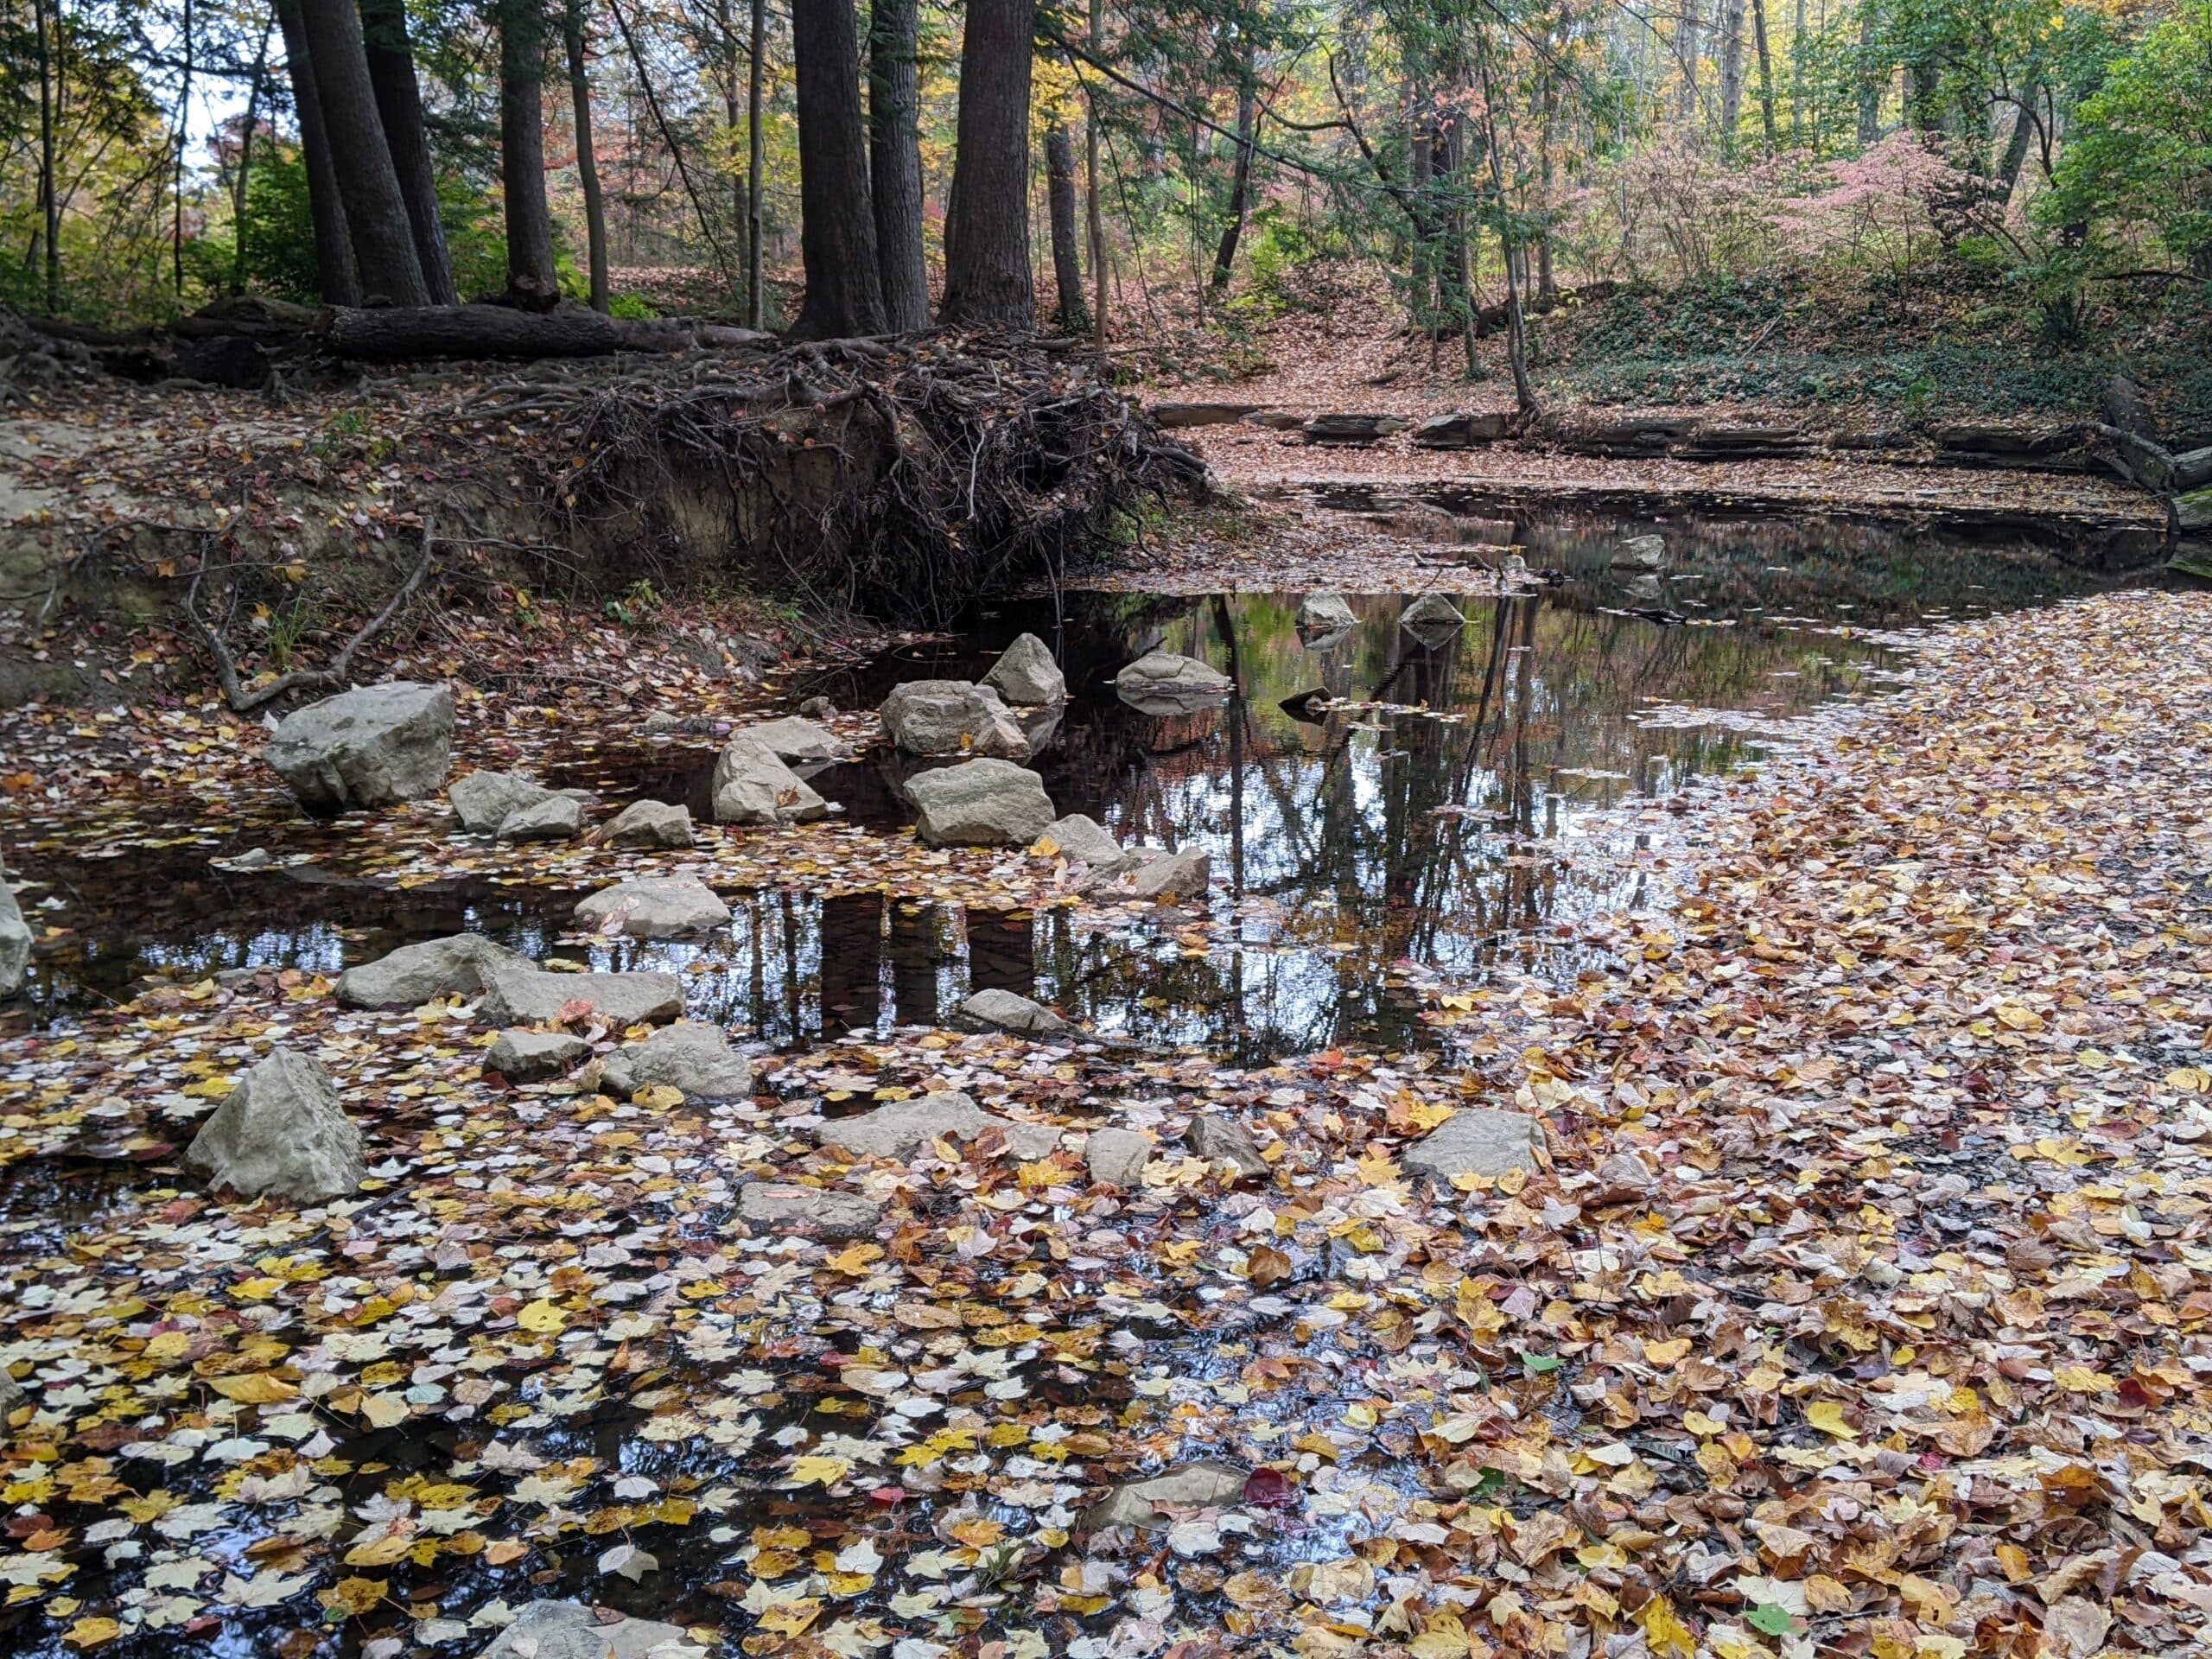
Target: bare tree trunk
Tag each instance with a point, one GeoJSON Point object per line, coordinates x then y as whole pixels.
{"type": "Point", "coordinates": [895, 162]}
{"type": "Point", "coordinates": [333, 252]}
{"type": "Point", "coordinates": [987, 277]}
{"type": "Point", "coordinates": [2016, 147]}
{"type": "Point", "coordinates": [732, 107]}
{"type": "Point", "coordinates": [1240, 181]}
{"type": "Point", "coordinates": [1067, 263]}
{"type": "Point", "coordinates": [572, 36]}
{"type": "Point", "coordinates": [844, 290]}
{"type": "Point", "coordinates": [183, 125]}
{"type": "Point", "coordinates": [1870, 79]}
{"type": "Point", "coordinates": [1547, 291]}
{"type": "Point", "coordinates": [245, 161]}
{"type": "Point", "coordinates": [755, 100]}
{"type": "Point", "coordinates": [532, 280]}
{"type": "Point", "coordinates": [1091, 205]}
{"type": "Point", "coordinates": [46, 18]}
{"type": "Point", "coordinates": [1517, 339]}
{"type": "Point", "coordinates": [1766, 77]}
{"type": "Point", "coordinates": [1687, 45]}
{"type": "Point", "coordinates": [376, 212]}
{"type": "Point", "coordinates": [1732, 72]}
{"type": "Point", "coordinates": [399, 106]}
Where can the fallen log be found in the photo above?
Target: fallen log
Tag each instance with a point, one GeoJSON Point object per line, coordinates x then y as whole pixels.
{"type": "Point", "coordinates": [400, 333]}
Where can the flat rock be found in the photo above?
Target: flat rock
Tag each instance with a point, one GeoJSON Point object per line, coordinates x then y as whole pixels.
{"type": "Point", "coordinates": [1462, 430]}
{"type": "Point", "coordinates": [568, 1629]}
{"type": "Point", "coordinates": [1207, 1485]}
{"type": "Point", "coordinates": [1187, 872]}
{"type": "Point", "coordinates": [692, 1057]}
{"type": "Point", "coordinates": [1431, 617]}
{"type": "Point", "coordinates": [649, 824]}
{"type": "Point", "coordinates": [1084, 841]}
{"type": "Point", "coordinates": [980, 804]}
{"type": "Point", "coordinates": [1323, 614]}
{"type": "Point", "coordinates": [903, 1127]}
{"type": "Point", "coordinates": [939, 719]}
{"type": "Point", "coordinates": [653, 907]}
{"type": "Point", "coordinates": [782, 1204]}
{"type": "Point", "coordinates": [531, 996]}
{"type": "Point", "coordinates": [751, 785]}
{"type": "Point", "coordinates": [1218, 1139]}
{"type": "Point", "coordinates": [370, 746]}
{"type": "Point", "coordinates": [1026, 674]}
{"type": "Point", "coordinates": [1118, 1157]}
{"type": "Point", "coordinates": [1162, 682]}
{"type": "Point", "coordinates": [1351, 429]}
{"type": "Point", "coordinates": [1476, 1140]}
{"type": "Point", "coordinates": [557, 817]}
{"type": "Point", "coordinates": [282, 1134]}
{"type": "Point", "coordinates": [15, 940]}
{"type": "Point", "coordinates": [482, 800]}
{"type": "Point", "coordinates": [793, 739]}
{"type": "Point", "coordinates": [1641, 553]}
{"type": "Point", "coordinates": [457, 966]}
{"type": "Point", "coordinates": [525, 1056]}
{"type": "Point", "coordinates": [1002, 1010]}
{"type": "Point", "coordinates": [1174, 417]}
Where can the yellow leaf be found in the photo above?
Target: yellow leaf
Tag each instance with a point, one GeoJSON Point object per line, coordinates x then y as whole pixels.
{"type": "Point", "coordinates": [261, 1389]}
{"type": "Point", "coordinates": [541, 1317]}
{"type": "Point", "coordinates": [855, 1260]}
{"type": "Point", "coordinates": [1666, 1353]}
{"type": "Point", "coordinates": [91, 1632]}
{"type": "Point", "coordinates": [825, 1471]}
{"type": "Point", "coordinates": [1664, 1630]}
{"type": "Point", "coordinates": [791, 1617]}
{"type": "Point", "coordinates": [384, 1410]}
{"type": "Point", "coordinates": [379, 1552]}
{"type": "Point", "coordinates": [2081, 1379]}
{"type": "Point", "coordinates": [1828, 1416]}
{"type": "Point", "coordinates": [354, 1596]}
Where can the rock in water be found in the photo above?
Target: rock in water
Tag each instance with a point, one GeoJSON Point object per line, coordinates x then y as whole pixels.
{"type": "Point", "coordinates": [937, 719]}
{"type": "Point", "coordinates": [568, 1629]}
{"type": "Point", "coordinates": [793, 739]}
{"type": "Point", "coordinates": [753, 785]}
{"type": "Point", "coordinates": [1641, 553]}
{"type": "Point", "coordinates": [690, 1056]}
{"type": "Point", "coordinates": [1026, 674]}
{"type": "Point", "coordinates": [1161, 683]}
{"type": "Point", "coordinates": [530, 996]}
{"type": "Point", "coordinates": [523, 1055]}
{"type": "Point", "coordinates": [412, 975]}
{"type": "Point", "coordinates": [649, 824]}
{"type": "Point", "coordinates": [1084, 842]}
{"type": "Point", "coordinates": [1118, 1157]}
{"type": "Point", "coordinates": [282, 1134]}
{"type": "Point", "coordinates": [903, 1127]}
{"type": "Point", "coordinates": [366, 748]}
{"type": "Point", "coordinates": [980, 804]}
{"type": "Point", "coordinates": [1002, 1010]}
{"type": "Point", "coordinates": [1324, 615]}
{"type": "Point", "coordinates": [782, 1206]}
{"type": "Point", "coordinates": [1184, 873]}
{"type": "Point", "coordinates": [653, 907]}
{"type": "Point", "coordinates": [1476, 1141]}
{"type": "Point", "coordinates": [15, 940]}
{"type": "Point", "coordinates": [557, 817]}
{"type": "Point", "coordinates": [483, 800]}
{"type": "Point", "coordinates": [1432, 619]}
{"type": "Point", "coordinates": [1216, 1139]}
{"type": "Point", "coordinates": [1207, 1485]}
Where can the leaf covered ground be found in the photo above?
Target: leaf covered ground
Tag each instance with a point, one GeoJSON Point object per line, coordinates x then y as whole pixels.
{"type": "Point", "coordinates": [1860, 1308]}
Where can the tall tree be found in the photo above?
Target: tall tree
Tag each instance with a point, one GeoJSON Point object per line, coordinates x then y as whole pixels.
{"type": "Point", "coordinates": [376, 213]}
{"type": "Point", "coordinates": [572, 39]}
{"type": "Point", "coordinates": [987, 278]}
{"type": "Point", "coordinates": [1059, 189]}
{"type": "Point", "coordinates": [49, 197]}
{"type": "Point", "coordinates": [1766, 77]}
{"type": "Point", "coordinates": [1732, 72]}
{"type": "Point", "coordinates": [726, 46]}
{"type": "Point", "coordinates": [895, 161]}
{"type": "Point", "coordinates": [399, 106]}
{"type": "Point", "coordinates": [756, 101]}
{"type": "Point", "coordinates": [334, 250]}
{"type": "Point", "coordinates": [844, 291]}
{"type": "Point", "coordinates": [1240, 178]}
{"type": "Point", "coordinates": [531, 278]}
{"type": "Point", "coordinates": [1094, 211]}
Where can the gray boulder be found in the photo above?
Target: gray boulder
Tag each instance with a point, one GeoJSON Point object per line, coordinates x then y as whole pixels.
{"type": "Point", "coordinates": [1218, 1140]}
{"type": "Point", "coordinates": [1207, 1485]}
{"type": "Point", "coordinates": [1432, 619]}
{"type": "Point", "coordinates": [15, 940]}
{"type": "Point", "coordinates": [366, 748]}
{"type": "Point", "coordinates": [1002, 1010]}
{"type": "Point", "coordinates": [649, 824]}
{"type": "Point", "coordinates": [689, 1056]}
{"type": "Point", "coordinates": [659, 723]}
{"type": "Point", "coordinates": [899, 1130]}
{"type": "Point", "coordinates": [1161, 683]}
{"type": "Point", "coordinates": [282, 1134]}
{"type": "Point", "coordinates": [1324, 615]}
{"type": "Point", "coordinates": [1082, 840]}
{"type": "Point", "coordinates": [1476, 1140]}
{"type": "Point", "coordinates": [530, 996]}
{"type": "Point", "coordinates": [525, 1056]}
{"type": "Point", "coordinates": [1118, 1157]}
{"type": "Point", "coordinates": [1641, 553]}
{"type": "Point", "coordinates": [653, 907]}
{"type": "Point", "coordinates": [937, 719]}
{"type": "Point", "coordinates": [980, 804]}
{"type": "Point", "coordinates": [568, 1629]}
{"type": "Point", "coordinates": [484, 800]}
{"type": "Point", "coordinates": [793, 739]}
{"type": "Point", "coordinates": [1186, 873]}
{"type": "Point", "coordinates": [783, 1205]}
{"type": "Point", "coordinates": [557, 817]}
{"type": "Point", "coordinates": [410, 977]}
{"type": "Point", "coordinates": [753, 785]}
{"type": "Point", "coordinates": [1026, 674]}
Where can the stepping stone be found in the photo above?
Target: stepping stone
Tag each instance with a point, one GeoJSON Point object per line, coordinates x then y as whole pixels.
{"type": "Point", "coordinates": [1223, 1139]}
{"type": "Point", "coordinates": [1476, 1140]}
{"type": "Point", "coordinates": [653, 907]}
{"type": "Point", "coordinates": [905, 1127]}
{"type": "Point", "coordinates": [1186, 874]}
{"type": "Point", "coordinates": [793, 739]}
{"type": "Point", "coordinates": [782, 1204]}
{"type": "Point", "coordinates": [1432, 619]}
{"type": "Point", "coordinates": [371, 746]}
{"type": "Point", "coordinates": [281, 1134]}
{"type": "Point", "coordinates": [410, 977]}
{"type": "Point", "coordinates": [557, 817]}
{"type": "Point", "coordinates": [1351, 429]}
{"type": "Point", "coordinates": [1082, 840]}
{"type": "Point", "coordinates": [1207, 1485]}
{"type": "Point", "coordinates": [1459, 431]}
{"type": "Point", "coordinates": [1324, 615]}
{"type": "Point", "coordinates": [483, 800]}
{"type": "Point", "coordinates": [941, 719]}
{"type": "Point", "coordinates": [1641, 553]}
{"type": "Point", "coordinates": [649, 824]}
{"type": "Point", "coordinates": [753, 785]}
{"type": "Point", "coordinates": [692, 1057]}
{"type": "Point", "coordinates": [568, 1629]}
{"type": "Point", "coordinates": [980, 804]}
{"type": "Point", "coordinates": [1162, 682]}
{"type": "Point", "coordinates": [530, 996]}
{"type": "Point", "coordinates": [1003, 1010]}
{"type": "Point", "coordinates": [525, 1056]}
{"type": "Point", "coordinates": [1171, 417]}
{"type": "Point", "coordinates": [1026, 674]}
{"type": "Point", "coordinates": [1118, 1157]}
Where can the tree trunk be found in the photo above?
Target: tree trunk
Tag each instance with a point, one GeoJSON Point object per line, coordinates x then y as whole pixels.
{"type": "Point", "coordinates": [399, 106]}
{"type": "Point", "coordinates": [1732, 72]}
{"type": "Point", "coordinates": [49, 194]}
{"type": "Point", "coordinates": [1687, 45]}
{"type": "Point", "coordinates": [755, 218]}
{"type": "Point", "coordinates": [895, 162]}
{"type": "Point", "coordinates": [1870, 79]}
{"type": "Point", "coordinates": [376, 213]}
{"type": "Point", "coordinates": [1067, 263]}
{"type": "Point", "coordinates": [1766, 77]}
{"type": "Point", "coordinates": [1092, 205]}
{"type": "Point", "coordinates": [391, 334]}
{"type": "Point", "coordinates": [333, 252]}
{"type": "Point", "coordinates": [533, 281]}
{"type": "Point", "coordinates": [2016, 148]}
{"type": "Point", "coordinates": [572, 36]}
{"type": "Point", "coordinates": [987, 278]}
{"type": "Point", "coordinates": [844, 289]}
{"type": "Point", "coordinates": [245, 163]}
{"type": "Point", "coordinates": [177, 193]}
{"type": "Point", "coordinates": [732, 109]}
{"type": "Point", "coordinates": [1240, 181]}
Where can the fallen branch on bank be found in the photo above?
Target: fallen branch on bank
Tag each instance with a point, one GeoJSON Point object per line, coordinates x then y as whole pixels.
{"type": "Point", "coordinates": [400, 333]}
